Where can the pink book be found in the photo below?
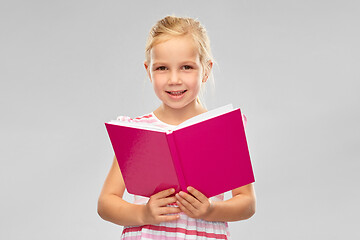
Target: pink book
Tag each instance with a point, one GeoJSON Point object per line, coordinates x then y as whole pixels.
{"type": "Point", "coordinates": [208, 152]}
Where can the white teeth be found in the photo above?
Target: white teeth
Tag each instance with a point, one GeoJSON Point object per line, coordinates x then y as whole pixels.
{"type": "Point", "coordinates": [176, 92]}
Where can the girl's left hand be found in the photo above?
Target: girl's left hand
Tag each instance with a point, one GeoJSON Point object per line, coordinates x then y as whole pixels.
{"type": "Point", "coordinates": [196, 205]}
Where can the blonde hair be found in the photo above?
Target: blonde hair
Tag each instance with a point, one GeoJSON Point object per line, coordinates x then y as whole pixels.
{"type": "Point", "coordinates": [172, 26]}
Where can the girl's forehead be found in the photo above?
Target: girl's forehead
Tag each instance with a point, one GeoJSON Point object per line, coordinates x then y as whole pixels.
{"type": "Point", "coordinates": [176, 47]}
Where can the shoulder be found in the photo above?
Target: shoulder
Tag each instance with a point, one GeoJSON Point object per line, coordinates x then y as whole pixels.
{"type": "Point", "coordinates": [148, 118]}
{"type": "Point", "coordinates": [143, 118]}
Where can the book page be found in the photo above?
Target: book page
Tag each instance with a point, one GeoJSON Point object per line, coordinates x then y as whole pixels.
{"type": "Point", "coordinates": [205, 116]}
{"type": "Point", "coordinates": [138, 125]}
{"type": "Point", "coordinates": [199, 118]}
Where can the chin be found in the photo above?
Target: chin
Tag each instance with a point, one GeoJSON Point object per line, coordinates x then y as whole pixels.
{"type": "Point", "coordinates": [178, 105]}
{"type": "Point", "coordinates": [175, 106]}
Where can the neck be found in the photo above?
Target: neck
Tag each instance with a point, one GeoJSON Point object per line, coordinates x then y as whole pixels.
{"type": "Point", "coordinates": [175, 116]}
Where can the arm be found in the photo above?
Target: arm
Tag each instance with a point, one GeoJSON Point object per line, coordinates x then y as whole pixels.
{"type": "Point", "coordinates": [240, 207]}
{"type": "Point", "coordinates": [111, 206]}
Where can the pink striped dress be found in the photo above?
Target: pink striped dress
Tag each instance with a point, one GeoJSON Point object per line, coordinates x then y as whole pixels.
{"type": "Point", "coordinates": [183, 228]}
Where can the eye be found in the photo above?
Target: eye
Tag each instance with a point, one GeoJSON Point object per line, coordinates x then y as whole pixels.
{"type": "Point", "coordinates": [161, 68]}
{"type": "Point", "coordinates": [187, 67]}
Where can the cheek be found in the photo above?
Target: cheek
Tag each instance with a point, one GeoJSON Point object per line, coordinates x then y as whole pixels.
{"type": "Point", "coordinates": [196, 82]}
{"type": "Point", "coordinates": [159, 78]}
{"type": "Point", "coordinates": [157, 85]}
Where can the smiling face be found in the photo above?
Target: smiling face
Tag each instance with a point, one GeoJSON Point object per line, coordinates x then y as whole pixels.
{"type": "Point", "coordinates": [175, 71]}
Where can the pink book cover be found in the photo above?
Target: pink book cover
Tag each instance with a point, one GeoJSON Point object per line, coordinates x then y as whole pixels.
{"type": "Point", "coordinates": [211, 155]}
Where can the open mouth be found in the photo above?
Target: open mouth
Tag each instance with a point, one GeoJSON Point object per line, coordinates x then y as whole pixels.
{"type": "Point", "coordinates": [176, 93]}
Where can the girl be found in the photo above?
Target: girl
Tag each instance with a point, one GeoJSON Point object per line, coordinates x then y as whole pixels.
{"type": "Point", "coordinates": [178, 62]}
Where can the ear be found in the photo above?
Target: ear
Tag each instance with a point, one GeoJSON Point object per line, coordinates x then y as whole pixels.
{"type": "Point", "coordinates": [147, 68]}
{"type": "Point", "coordinates": [207, 71]}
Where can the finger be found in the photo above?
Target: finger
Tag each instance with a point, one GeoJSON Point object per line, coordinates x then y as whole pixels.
{"type": "Point", "coordinates": [168, 218]}
{"type": "Point", "coordinates": [166, 201]}
{"type": "Point", "coordinates": [164, 193]}
{"type": "Point", "coordinates": [169, 210]}
{"type": "Point", "coordinates": [184, 209]}
{"type": "Point", "coordinates": [186, 204]}
{"type": "Point", "coordinates": [189, 198]}
{"type": "Point", "coordinates": [198, 195]}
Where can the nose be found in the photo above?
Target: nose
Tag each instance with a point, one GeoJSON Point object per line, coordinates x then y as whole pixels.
{"type": "Point", "coordinates": [174, 78]}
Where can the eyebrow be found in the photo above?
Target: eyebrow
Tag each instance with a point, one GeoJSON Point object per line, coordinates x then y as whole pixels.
{"type": "Point", "coordinates": [184, 62]}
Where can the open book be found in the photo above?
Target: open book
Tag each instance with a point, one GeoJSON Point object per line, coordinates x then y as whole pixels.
{"type": "Point", "coordinates": [208, 152]}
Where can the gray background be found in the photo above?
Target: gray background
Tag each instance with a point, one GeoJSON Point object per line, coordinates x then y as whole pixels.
{"type": "Point", "coordinates": [69, 66]}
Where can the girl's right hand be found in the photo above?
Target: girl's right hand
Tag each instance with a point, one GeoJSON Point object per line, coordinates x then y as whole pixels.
{"type": "Point", "coordinates": [156, 208]}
